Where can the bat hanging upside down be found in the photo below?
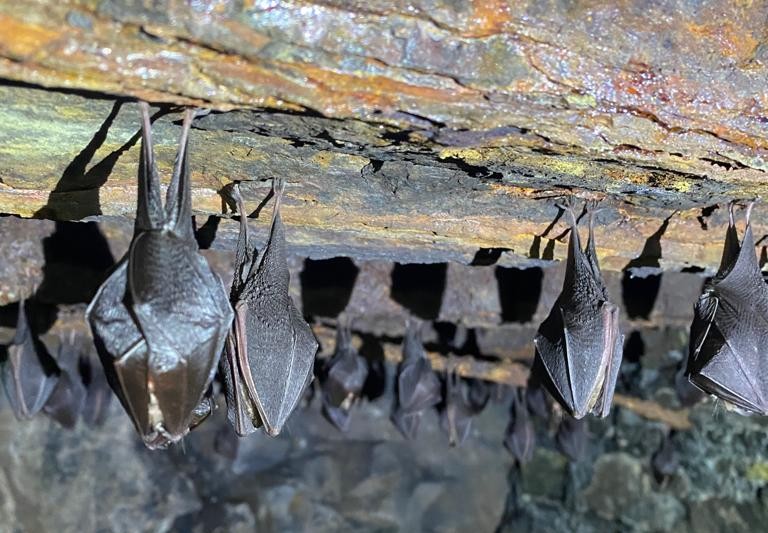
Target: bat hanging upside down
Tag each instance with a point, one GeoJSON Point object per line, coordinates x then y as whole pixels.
{"type": "Point", "coordinates": [729, 334]}
{"type": "Point", "coordinates": [579, 345]}
{"type": "Point", "coordinates": [161, 318]}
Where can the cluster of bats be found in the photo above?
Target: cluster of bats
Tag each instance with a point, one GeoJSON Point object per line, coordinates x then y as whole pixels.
{"type": "Point", "coordinates": [164, 325]}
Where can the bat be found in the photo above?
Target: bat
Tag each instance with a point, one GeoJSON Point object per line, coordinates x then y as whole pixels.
{"type": "Point", "coordinates": [456, 414]}
{"type": "Point", "coordinates": [29, 374]}
{"type": "Point", "coordinates": [271, 348]}
{"type": "Point", "coordinates": [664, 461]}
{"type": "Point", "coordinates": [98, 395]}
{"type": "Point", "coordinates": [343, 379]}
{"type": "Point", "coordinates": [478, 394]}
{"type": "Point", "coordinates": [727, 356]}
{"type": "Point", "coordinates": [68, 396]}
{"type": "Point", "coordinates": [536, 400]}
{"type": "Point", "coordinates": [571, 438]}
{"type": "Point", "coordinates": [161, 318]}
{"type": "Point", "coordinates": [579, 345]}
{"type": "Point", "coordinates": [520, 437]}
{"type": "Point", "coordinates": [417, 388]}
{"type": "Point", "coordinates": [687, 393]}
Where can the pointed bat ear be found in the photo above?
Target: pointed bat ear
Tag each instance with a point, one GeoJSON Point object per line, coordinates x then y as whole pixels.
{"type": "Point", "coordinates": [149, 206]}
{"type": "Point", "coordinates": [178, 203]}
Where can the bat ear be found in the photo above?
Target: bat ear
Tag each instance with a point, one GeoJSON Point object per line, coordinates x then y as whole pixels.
{"type": "Point", "coordinates": [149, 206]}
{"type": "Point", "coordinates": [178, 200]}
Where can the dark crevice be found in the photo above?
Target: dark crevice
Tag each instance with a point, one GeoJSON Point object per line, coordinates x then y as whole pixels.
{"type": "Point", "coordinates": [326, 285]}
{"type": "Point", "coordinates": [634, 347]}
{"type": "Point", "coordinates": [419, 288]}
{"type": "Point", "coordinates": [519, 292]}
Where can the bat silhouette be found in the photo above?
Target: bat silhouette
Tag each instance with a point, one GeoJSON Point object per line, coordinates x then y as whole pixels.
{"type": "Point", "coordinates": [729, 332]}
{"type": "Point", "coordinates": [68, 396]}
{"type": "Point", "coordinates": [571, 438]}
{"type": "Point", "coordinates": [417, 388]}
{"type": "Point", "coordinates": [520, 437]}
{"type": "Point", "coordinates": [343, 379]}
{"type": "Point", "coordinates": [29, 374]}
{"type": "Point", "coordinates": [271, 348]}
{"type": "Point", "coordinates": [456, 414]}
{"type": "Point", "coordinates": [664, 461]}
{"type": "Point", "coordinates": [579, 346]}
{"type": "Point", "coordinates": [161, 318]}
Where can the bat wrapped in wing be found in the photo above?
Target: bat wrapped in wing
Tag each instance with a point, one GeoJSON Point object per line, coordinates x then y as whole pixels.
{"type": "Point", "coordinates": [579, 345]}
{"type": "Point", "coordinates": [343, 378]}
{"type": "Point", "coordinates": [729, 335]}
{"type": "Point", "coordinates": [29, 374]}
{"type": "Point", "coordinates": [418, 387]}
{"type": "Point", "coordinates": [271, 348]}
{"type": "Point", "coordinates": [161, 318]}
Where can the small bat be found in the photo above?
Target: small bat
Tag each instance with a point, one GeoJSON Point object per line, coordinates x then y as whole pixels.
{"type": "Point", "coordinates": [478, 394]}
{"type": "Point", "coordinates": [29, 374]}
{"type": "Point", "coordinates": [161, 318]}
{"type": "Point", "coordinates": [664, 461]}
{"type": "Point", "coordinates": [456, 414]}
{"type": "Point", "coordinates": [343, 379]}
{"type": "Point", "coordinates": [536, 401]}
{"type": "Point", "coordinates": [68, 397]}
{"type": "Point", "coordinates": [729, 332]}
{"type": "Point", "coordinates": [520, 438]}
{"type": "Point", "coordinates": [579, 346]}
{"type": "Point", "coordinates": [271, 348]}
{"type": "Point", "coordinates": [98, 396]}
{"type": "Point", "coordinates": [417, 388]}
{"type": "Point", "coordinates": [687, 393]}
{"type": "Point", "coordinates": [572, 437]}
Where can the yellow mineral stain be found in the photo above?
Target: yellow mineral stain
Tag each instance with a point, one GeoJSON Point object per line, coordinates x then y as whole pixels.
{"type": "Point", "coordinates": [758, 472]}
{"type": "Point", "coordinates": [470, 155]}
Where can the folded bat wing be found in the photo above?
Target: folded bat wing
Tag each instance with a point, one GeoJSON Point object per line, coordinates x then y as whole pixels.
{"type": "Point", "coordinates": [28, 375]}
{"type": "Point", "coordinates": [729, 333]}
{"type": "Point", "coordinates": [184, 314]}
{"type": "Point", "coordinates": [274, 338]}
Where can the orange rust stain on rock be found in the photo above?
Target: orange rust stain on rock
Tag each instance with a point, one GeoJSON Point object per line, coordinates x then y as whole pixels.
{"type": "Point", "coordinates": [19, 39]}
{"type": "Point", "coordinates": [378, 91]}
{"type": "Point", "coordinates": [733, 41]}
{"type": "Point", "coordinates": [489, 17]}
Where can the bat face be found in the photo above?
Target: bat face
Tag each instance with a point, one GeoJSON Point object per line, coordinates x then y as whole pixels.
{"type": "Point", "coordinates": [572, 438]}
{"type": "Point", "coordinates": [68, 396]}
{"type": "Point", "coordinates": [343, 379]}
{"type": "Point", "coordinates": [29, 374]}
{"type": "Point", "coordinates": [417, 388]}
{"type": "Point", "coordinates": [160, 320]}
{"type": "Point", "coordinates": [271, 349]}
{"type": "Point", "coordinates": [456, 415]}
{"type": "Point", "coordinates": [729, 332]}
{"type": "Point", "coordinates": [520, 438]}
{"type": "Point", "coordinates": [579, 345]}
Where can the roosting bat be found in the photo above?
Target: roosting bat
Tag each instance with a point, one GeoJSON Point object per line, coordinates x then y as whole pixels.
{"type": "Point", "coordinates": [271, 348]}
{"type": "Point", "coordinates": [161, 318]}
{"type": "Point", "coordinates": [520, 438]}
{"type": "Point", "coordinates": [729, 334]}
{"type": "Point", "coordinates": [68, 397]}
{"type": "Point", "coordinates": [571, 438]}
{"type": "Point", "coordinates": [343, 379]}
{"type": "Point", "coordinates": [417, 388]}
{"type": "Point", "coordinates": [98, 395]}
{"type": "Point", "coordinates": [456, 414]}
{"type": "Point", "coordinates": [579, 345]}
{"type": "Point", "coordinates": [29, 374]}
